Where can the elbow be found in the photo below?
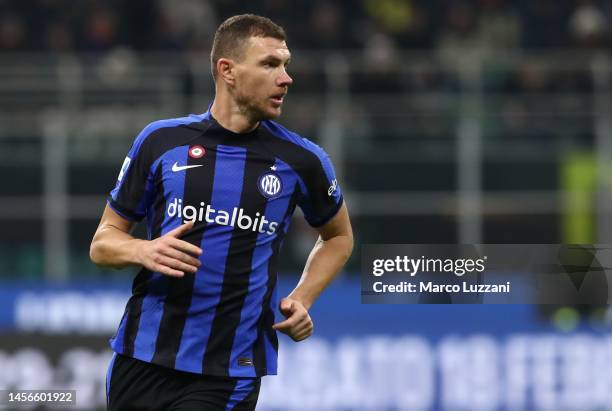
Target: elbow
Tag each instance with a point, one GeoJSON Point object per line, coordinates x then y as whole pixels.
{"type": "Point", "coordinates": [95, 254]}
{"type": "Point", "coordinates": [349, 246]}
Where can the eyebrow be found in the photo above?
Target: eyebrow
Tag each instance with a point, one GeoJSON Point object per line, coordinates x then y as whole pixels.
{"type": "Point", "coordinates": [275, 59]}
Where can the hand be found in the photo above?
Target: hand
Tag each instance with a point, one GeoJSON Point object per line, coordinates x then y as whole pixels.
{"type": "Point", "coordinates": [169, 255]}
{"type": "Point", "coordinates": [298, 324]}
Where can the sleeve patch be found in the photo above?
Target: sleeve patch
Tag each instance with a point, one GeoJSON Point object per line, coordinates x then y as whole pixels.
{"type": "Point", "coordinates": [124, 167]}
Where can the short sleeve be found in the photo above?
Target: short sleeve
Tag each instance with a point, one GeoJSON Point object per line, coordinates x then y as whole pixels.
{"type": "Point", "coordinates": [132, 193]}
{"type": "Point", "coordinates": [322, 197]}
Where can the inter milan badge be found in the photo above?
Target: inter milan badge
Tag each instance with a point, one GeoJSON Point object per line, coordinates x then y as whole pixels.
{"type": "Point", "coordinates": [196, 151]}
{"type": "Point", "coordinates": [270, 185]}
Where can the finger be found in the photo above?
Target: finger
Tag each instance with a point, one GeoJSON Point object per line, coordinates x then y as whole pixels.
{"type": "Point", "coordinates": [179, 231]}
{"type": "Point", "coordinates": [299, 336]}
{"type": "Point", "coordinates": [302, 336]}
{"type": "Point", "coordinates": [304, 323]}
{"type": "Point", "coordinates": [176, 264]}
{"type": "Point", "coordinates": [285, 325]}
{"type": "Point", "coordinates": [185, 247]}
{"type": "Point", "coordinates": [167, 270]}
{"type": "Point", "coordinates": [178, 255]}
{"type": "Point", "coordinates": [302, 327]}
{"type": "Point", "coordinates": [304, 331]}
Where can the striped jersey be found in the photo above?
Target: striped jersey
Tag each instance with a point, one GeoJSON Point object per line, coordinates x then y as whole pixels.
{"type": "Point", "coordinates": [241, 190]}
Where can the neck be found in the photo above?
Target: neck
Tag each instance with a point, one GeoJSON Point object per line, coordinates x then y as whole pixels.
{"type": "Point", "coordinates": [230, 116]}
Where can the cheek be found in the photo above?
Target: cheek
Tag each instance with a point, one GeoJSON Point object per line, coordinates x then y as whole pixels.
{"type": "Point", "coordinates": [253, 87]}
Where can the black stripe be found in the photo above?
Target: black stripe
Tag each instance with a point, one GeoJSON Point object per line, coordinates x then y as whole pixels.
{"type": "Point", "coordinates": [237, 270]}
{"type": "Point", "coordinates": [197, 188]}
{"type": "Point", "coordinates": [134, 310]}
{"type": "Point", "coordinates": [266, 318]}
{"type": "Point", "coordinates": [124, 212]}
{"type": "Point", "coordinates": [159, 205]}
{"type": "Point", "coordinates": [139, 286]}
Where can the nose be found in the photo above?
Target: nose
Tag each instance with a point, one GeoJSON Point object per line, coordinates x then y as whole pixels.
{"type": "Point", "coordinates": [284, 79]}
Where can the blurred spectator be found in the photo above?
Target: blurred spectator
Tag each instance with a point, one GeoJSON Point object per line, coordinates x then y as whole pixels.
{"type": "Point", "coordinates": [101, 30]}
{"type": "Point", "coordinates": [395, 16]}
{"type": "Point", "coordinates": [408, 21]}
{"type": "Point", "coordinates": [326, 26]}
{"type": "Point", "coordinates": [458, 39]}
{"type": "Point", "coordinates": [452, 26]}
{"type": "Point", "coordinates": [58, 38]}
{"type": "Point", "coordinates": [380, 51]}
{"type": "Point", "coordinates": [186, 23]}
{"type": "Point", "coordinates": [589, 26]}
{"type": "Point", "coordinates": [500, 25]}
{"type": "Point", "coordinates": [12, 33]}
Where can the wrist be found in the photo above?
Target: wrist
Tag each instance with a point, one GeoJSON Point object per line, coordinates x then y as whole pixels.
{"type": "Point", "coordinates": [135, 254]}
{"type": "Point", "coordinates": [306, 302]}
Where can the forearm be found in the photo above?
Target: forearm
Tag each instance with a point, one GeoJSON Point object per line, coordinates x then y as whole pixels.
{"type": "Point", "coordinates": [324, 262]}
{"type": "Point", "coordinates": [114, 248]}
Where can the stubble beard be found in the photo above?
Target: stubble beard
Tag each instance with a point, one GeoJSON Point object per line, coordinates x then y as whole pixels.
{"type": "Point", "coordinates": [249, 108]}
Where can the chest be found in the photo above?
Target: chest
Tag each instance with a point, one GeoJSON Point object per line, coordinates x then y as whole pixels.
{"type": "Point", "coordinates": [215, 183]}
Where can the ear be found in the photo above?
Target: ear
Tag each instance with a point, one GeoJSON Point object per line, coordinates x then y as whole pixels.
{"type": "Point", "coordinates": [225, 70]}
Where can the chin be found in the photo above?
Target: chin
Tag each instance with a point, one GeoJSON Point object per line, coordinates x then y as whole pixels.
{"type": "Point", "coordinates": [276, 114]}
{"type": "Point", "coordinates": [271, 114]}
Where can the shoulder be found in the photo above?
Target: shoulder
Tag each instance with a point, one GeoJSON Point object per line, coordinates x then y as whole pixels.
{"type": "Point", "coordinates": [158, 126]}
{"type": "Point", "coordinates": [166, 128]}
{"type": "Point", "coordinates": [294, 141]}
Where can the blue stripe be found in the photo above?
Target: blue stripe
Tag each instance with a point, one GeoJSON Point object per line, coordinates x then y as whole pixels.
{"type": "Point", "coordinates": [116, 342]}
{"type": "Point", "coordinates": [153, 303]}
{"type": "Point", "coordinates": [331, 175]}
{"type": "Point", "coordinates": [246, 333]}
{"type": "Point", "coordinates": [226, 193]}
{"type": "Point", "coordinates": [109, 375]}
{"type": "Point", "coordinates": [243, 387]}
{"type": "Point", "coordinates": [283, 133]}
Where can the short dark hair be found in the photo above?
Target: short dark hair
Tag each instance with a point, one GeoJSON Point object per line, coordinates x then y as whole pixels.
{"type": "Point", "coordinates": [232, 34]}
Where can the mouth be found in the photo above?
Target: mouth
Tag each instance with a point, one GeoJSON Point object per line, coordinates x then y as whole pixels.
{"type": "Point", "coordinates": [277, 99]}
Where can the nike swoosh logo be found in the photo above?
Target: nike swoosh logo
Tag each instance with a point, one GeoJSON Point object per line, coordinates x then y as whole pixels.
{"type": "Point", "coordinates": [176, 167]}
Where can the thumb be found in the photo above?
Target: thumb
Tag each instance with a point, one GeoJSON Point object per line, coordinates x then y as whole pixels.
{"type": "Point", "coordinates": [179, 231]}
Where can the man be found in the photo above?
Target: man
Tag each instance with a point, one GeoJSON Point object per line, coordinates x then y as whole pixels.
{"type": "Point", "coordinates": [218, 191]}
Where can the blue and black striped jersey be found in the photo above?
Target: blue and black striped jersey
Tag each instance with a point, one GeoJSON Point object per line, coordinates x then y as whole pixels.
{"type": "Point", "coordinates": [241, 190]}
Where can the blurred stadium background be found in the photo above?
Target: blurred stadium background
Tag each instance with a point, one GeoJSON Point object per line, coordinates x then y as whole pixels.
{"type": "Point", "coordinates": [482, 121]}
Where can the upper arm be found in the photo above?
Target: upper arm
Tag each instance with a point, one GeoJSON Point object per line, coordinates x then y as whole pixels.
{"type": "Point", "coordinates": [339, 225]}
{"type": "Point", "coordinates": [111, 219]}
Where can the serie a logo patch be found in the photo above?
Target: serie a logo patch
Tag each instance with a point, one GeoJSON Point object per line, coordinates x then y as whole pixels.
{"type": "Point", "coordinates": [124, 167]}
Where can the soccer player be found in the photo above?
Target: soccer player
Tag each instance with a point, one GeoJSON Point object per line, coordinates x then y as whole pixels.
{"type": "Point", "coordinates": [218, 191]}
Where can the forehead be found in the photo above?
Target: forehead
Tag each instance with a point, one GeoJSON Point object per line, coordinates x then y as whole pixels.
{"type": "Point", "coordinates": [260, 47]}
